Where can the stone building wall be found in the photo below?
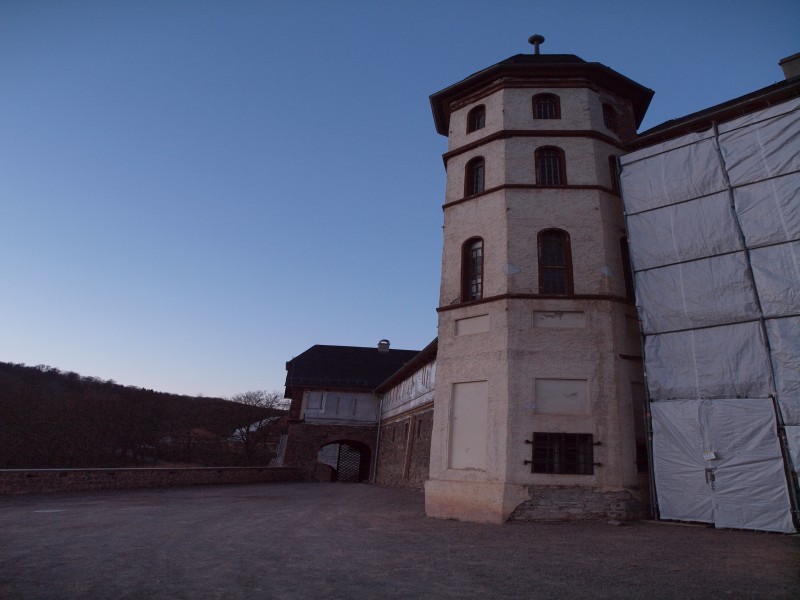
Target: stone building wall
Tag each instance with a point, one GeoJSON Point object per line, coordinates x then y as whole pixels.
{"type": "Point", "coordinates": [20, 481]}
{"type": "Point", "coordinates": [305, 440]}
{"type": "Point", "coordinates": [404, 452]}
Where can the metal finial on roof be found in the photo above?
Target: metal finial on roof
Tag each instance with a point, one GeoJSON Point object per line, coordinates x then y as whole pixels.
{"type": "Point", "coordinates": [536, 39]}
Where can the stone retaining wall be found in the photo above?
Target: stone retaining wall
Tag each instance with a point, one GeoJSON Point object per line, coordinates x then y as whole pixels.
{"type": "Point", "coordinates": [20, 481]}
{"type": "Point", "coordinates": [578, 504]}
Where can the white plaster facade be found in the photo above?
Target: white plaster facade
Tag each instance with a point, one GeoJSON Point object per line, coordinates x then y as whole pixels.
{"type": "Point", "coordinates": [335, 407]}
{"type": "Point", "coordinates": [414, 391]}
{"type": "Point", "coordinates": [497, 354]}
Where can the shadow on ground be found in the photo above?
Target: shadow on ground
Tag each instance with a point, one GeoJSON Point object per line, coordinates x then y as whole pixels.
{"type": "Point", "coordinates": [359, 541]}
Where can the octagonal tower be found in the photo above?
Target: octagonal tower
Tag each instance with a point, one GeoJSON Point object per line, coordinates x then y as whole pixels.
{"type": "Point", "coordinates": [538, 365]}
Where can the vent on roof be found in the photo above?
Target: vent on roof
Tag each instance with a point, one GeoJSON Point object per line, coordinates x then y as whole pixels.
{"type": "Point", "coordinates": [791, 66]}
{"type": "Point", "coordinates": [383, 346]}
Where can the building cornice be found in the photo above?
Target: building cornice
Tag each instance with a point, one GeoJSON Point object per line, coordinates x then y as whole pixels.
{"type": "Point", "coordinates": [529, 186]}
{"type": "Point", "coordinates": [501, 297]}
{"type": "Point", "coordinates": [532, 73]}
{"type": "Point", "coordinates": [549, 133]}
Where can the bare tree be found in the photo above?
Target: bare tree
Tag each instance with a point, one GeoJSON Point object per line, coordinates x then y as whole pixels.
{"type": "Point", "coordinates": [258, 429]}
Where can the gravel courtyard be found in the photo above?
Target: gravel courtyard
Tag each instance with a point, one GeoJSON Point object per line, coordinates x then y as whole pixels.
{"type": "Point", "coordinates": [311, 541]}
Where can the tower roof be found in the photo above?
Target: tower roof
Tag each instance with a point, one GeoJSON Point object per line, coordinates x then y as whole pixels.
{"type": "Point", "coordinates": [547, 67]}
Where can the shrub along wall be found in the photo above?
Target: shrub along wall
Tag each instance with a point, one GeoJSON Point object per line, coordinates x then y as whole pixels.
{"type": "Point", "coordinates": [20, 481]}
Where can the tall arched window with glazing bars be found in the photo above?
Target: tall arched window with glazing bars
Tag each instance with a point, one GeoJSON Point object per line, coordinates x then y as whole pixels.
{"type": "Point", "coordinates": [474, 176]}
{"type": "Point", "coordinates": [546, 106]}
{"type": "Point", "coordinates": [555, 263]}
{"type": "Point", "coordinates": [550, 166]}
{"type": "Point", "coordinates": [476, 118]}
{"type": "Point", "coordinates": [472, 270]}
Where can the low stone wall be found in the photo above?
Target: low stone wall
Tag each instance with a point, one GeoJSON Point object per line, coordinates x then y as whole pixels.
{"type": "Point", "coordinates": [578, 504]}
{"type": "Point", "coordinates": [21, 481]}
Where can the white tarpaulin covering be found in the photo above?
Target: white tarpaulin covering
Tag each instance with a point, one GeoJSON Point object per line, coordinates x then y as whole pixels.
{"type": "Point", "coordinates": [714, 232]}
{"type": "Point", "coordinates": [720, 461]}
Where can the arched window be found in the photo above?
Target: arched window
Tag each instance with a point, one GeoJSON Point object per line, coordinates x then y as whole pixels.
{"type": "Point", "coordinates": [613, 168]}
{"type": "Point", "coordinates": [546, 106]}
{"type": "Point", "coordinates": [555, 263]}
{"type": "Point", "coordinates": [476, 119]}
{"type": "Point", "coordinates": [474, 177]}
{"type": "Point", "coordinates": [609, 117]}
{"type": "Point", "coordinates": [472, 270]}
{"type": "Point", "coordinates": [630, 294]}
{"type": "Point", "coordinates": [550, 166]}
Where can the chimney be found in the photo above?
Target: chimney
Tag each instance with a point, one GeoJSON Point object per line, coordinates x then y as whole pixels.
{"type": "Point", "coordinates": [791, 66]}
{"type": "Point", "coordinates": [383, 346]}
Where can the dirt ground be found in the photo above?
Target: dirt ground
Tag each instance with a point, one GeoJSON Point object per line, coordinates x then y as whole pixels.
{"type": "Point", "coordinates": [309, 541]}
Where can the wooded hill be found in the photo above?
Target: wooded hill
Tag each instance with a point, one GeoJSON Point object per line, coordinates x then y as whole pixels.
{"type": "Point", "coordinates": [53, 419]}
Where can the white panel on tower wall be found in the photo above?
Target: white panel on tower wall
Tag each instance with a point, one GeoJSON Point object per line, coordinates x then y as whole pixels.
{"type": "Point", "coordinates": [714, 231]}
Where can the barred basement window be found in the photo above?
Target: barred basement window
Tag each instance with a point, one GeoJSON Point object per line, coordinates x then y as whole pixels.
{"type": "Point", "coordinates": [476, 119]}
{"type": "Point", "coordinates": [562, 453]}
{"type": "Point", "coordinates": [546, 106]}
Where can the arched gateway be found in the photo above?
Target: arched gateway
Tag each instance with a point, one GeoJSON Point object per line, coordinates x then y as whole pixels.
{"type": "Point", "coordinates": [348, 459]}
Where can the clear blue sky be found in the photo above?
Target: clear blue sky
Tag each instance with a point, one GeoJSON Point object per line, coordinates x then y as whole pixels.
{"type": "Point", "coordinates": [193, 192]}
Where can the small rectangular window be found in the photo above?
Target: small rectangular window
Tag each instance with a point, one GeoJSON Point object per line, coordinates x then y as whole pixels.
{"type": "Point", "coordinates": [562, 453]}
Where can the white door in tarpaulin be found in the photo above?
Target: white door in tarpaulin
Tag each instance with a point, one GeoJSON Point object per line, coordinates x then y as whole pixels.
{"type": "Point", "coordinates": [719, 461]}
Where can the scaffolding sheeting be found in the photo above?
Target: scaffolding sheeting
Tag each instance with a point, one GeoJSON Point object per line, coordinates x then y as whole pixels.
{"type": "Point", "coordinates": [714, 232]}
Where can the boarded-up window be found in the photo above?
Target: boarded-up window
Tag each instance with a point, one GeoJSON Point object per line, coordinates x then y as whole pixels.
{"type": "Point", "coordinates": [561, 397]}
{"type": "Point", "coordinates": [468, 419]}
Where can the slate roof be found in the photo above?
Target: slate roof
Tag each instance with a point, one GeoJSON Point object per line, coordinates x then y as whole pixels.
{"type": "Point", "coordinates": [344, 367]}
{"type": "Point", "coordinates": [726, 111]}
{"type": "Point", "coordinates": [535, 66]}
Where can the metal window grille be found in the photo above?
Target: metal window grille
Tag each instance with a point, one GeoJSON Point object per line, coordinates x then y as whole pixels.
{"type": "Point", "coordinates": [562, 453]}
{"type": "Point", "coordinates": [349, 464]}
